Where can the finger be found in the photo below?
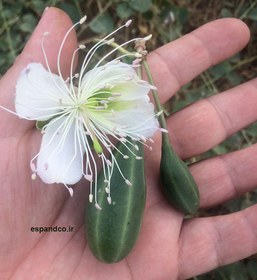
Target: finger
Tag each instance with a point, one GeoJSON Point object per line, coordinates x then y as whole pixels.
{"type": "Point", "coordinates": [226, 177]}
{"type": "Point", "coordinates": [208, 122]}
{"type": "Point", "coordinates": [178, 62]}
{"type": "Point", "coordinates": [207, 243]}
{"type": "Point", "coordinates": [56, 23]}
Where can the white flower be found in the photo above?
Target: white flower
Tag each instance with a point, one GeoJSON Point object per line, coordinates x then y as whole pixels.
{"type": "Point", "coordinates": [82, 113]}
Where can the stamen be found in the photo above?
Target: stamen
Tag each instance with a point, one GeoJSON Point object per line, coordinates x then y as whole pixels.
{"type": "Point", "coordinates": [90, 197]}
{"type": "Point", "coordinates": [69, 189]}
{"type": "Point", "coordinates": [128, 182]}
{"type": "Point", "coordinates": [88, 177]}
{"type": "Point", "coordinates": [109, 199]}
{"type": "Point", "coordinates": [109, 162]}
{"type": "Point", "coordinates": [153, 87]}
{"type": "Point", "coordinates": [164, 130]}
{"type": "Point", "coordinates": [147, 38]}
{"type": "Point", "coordinates": [83, 19]}
{"type": "Point", "coordinates": [33, 167]}
{"type": "Point", "coordinates": [127, 24]}
{"type": "Point", "coordinates": [97, 206]}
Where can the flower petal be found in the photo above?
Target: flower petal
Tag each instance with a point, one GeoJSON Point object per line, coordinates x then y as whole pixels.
{"type": "Point", "coordinates": [39, 94]}
{"type": "Point", "coordinates": [137, 119]}
{"type": "Point", "coordinates": [134, 89]}
{"type": "Point", "coordinates": [60, 159]}
{"type": "Point", "coordinates": [109, 75]}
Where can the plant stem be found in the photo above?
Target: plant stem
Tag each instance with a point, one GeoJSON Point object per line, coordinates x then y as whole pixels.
{"type": "Point", "coordinates": [155, 95]}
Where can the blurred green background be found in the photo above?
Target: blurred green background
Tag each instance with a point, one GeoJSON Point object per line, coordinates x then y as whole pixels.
{"type": "Point", "coordinates": [167, 21]}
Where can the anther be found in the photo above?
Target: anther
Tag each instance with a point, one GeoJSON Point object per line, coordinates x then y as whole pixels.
{"type": "Point", "coordinates": [90, 198]}
{"type": "Point", "coordinates": [33, 176]}
{"type": "Point", "coordinates": [82, 20]}
{"type": "Point", "coordinates": [107, 190]}
{"type": "Point", "coordinates": [109, 199]}
{"type": "Point", "coordinates": [137, 157]}
{"type": "Point", "coordinates": [147, 38]}
{"type": "Point", "coordinates": [128, 182]}
{"type": "Point", "coordinates": [127, 24]}
{"type": "Point", "coordinates": [82, 47]}
{"type": "Point", "coordinates": [153, 87]}
{"type": "Point", "coordinates": [33, 167]}
{"type": "Point", "coordinates": [143, 138]}
{"type": "Point", "coordinates": [125, 157]}
{"type": "Point", "coordinates": [109, 162]}
{"type": "Point", "coordinates": [97, 206]}
{"type": "Point", "coordinates": [88, 177]}
{"type": "Point", "coordinates": [136, 147]}
{"type": "Point", "coordinates": [70, 190]}
{"type": "Point", "coordinates": [164, 130]}
{"type": "Point", "coordinates": [46, 33]}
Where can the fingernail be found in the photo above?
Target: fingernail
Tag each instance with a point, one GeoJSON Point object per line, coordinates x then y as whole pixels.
{"type": "Point", "coordinates": [46, 8]}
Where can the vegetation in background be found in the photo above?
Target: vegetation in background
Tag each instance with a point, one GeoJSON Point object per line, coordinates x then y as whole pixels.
{"type": "Point", "coordinates": [167, 21]}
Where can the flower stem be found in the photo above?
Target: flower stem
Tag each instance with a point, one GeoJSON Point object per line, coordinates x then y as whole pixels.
{"type": "Point", "coordinates": [155, 95]}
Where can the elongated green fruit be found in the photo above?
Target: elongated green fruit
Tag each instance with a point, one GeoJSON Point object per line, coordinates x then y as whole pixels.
{"type": "Point", "coordinates": [113, 230]}
{"type": "Point", "coordinates": [177, 182]}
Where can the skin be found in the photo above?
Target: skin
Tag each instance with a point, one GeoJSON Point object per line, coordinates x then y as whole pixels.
{"type": "Point", "coordinates": [168, 246]}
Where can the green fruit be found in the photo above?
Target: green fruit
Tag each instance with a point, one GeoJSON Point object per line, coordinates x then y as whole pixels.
{"type": "Point", "coordinates": [113, 230]}
{"type": "Point", "coordinates": [177, 182]}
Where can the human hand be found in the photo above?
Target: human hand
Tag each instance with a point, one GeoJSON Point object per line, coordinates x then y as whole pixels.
{"type": "Point", "coordinates": [168, 247]}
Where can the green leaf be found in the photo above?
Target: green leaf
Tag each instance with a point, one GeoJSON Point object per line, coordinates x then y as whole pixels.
{"type": "Point", "coordinates": [71, 10]}
{"type": "Point", "coordinates": [252, 130]}
{"type": "Point", "coordinates": [252, 270]}
{"type": "Point", "coordinates": [124, 10]}
{"type": "Point", "coordinates": [234, 78]}
{"type": "Point", "coordinates": [102, 24]}
{"type": "Point", "coordinates": [253, 14]}
{"type": "Point", "coordinates": [28, 23]}
{"type": "Point", "coordinates": [140, 5]}
{"type": "Point", "coordinates": [221, 69]}
{"type": "Point", "coordinates": [38, 5]}
{"type": "Point", "coordinates": [225, 13]}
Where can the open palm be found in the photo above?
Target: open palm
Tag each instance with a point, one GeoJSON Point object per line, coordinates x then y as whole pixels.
{"type": "Point", "coordinates": [168, 247]}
